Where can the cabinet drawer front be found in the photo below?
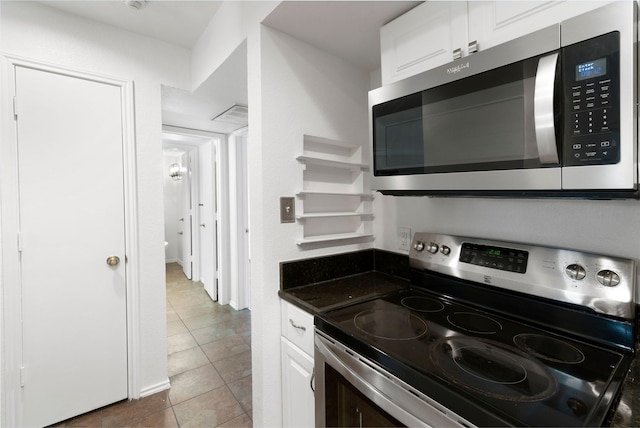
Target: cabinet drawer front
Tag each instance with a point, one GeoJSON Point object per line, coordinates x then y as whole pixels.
{"type": "Point", "coordinates": [297, 326]}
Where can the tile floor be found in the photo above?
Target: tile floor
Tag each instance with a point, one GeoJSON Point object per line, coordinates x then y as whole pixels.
{"type": "Point", "coordinates": [209, 364]}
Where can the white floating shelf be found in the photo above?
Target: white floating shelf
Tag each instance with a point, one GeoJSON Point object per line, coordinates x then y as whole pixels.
{"type": "Point", "coordinates": [318, 193]}
{"type": "Point", "coordinates": [330, 238]}
{"type": "Point", "coordinates": [332, 163]}
{"type": "Point", "coordinates": [332, 214]}
{"type": "Point", "coordinates": [330, 142]}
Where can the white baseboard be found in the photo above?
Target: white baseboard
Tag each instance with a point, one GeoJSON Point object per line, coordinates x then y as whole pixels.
{"type": "Point", "coordinates": [154, 389]}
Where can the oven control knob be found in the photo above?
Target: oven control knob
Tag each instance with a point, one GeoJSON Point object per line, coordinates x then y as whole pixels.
{"type": "Point", "coordinates": [418, 246]}
{"type": "Point", "coordinates": [608, 278]}
{"type": "Point", "coordinates": [445, 250]}
{"type": "Point", "coordinates": [432, 248]}
{"type": "Point", "coordinates": [575, 271]}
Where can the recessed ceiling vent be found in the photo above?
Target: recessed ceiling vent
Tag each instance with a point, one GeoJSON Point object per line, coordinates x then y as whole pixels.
{"type": "Point", "coordinates": [236, 115]}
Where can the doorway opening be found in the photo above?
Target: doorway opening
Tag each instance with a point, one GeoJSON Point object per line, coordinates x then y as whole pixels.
{"type": "Point", "coordinates": [191, 190]}
{"type": "Point", "coordinates": [207, 211]}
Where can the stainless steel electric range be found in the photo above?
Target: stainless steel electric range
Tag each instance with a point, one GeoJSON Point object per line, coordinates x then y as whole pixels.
{"type": "Point", "coordinates": [489, 334]}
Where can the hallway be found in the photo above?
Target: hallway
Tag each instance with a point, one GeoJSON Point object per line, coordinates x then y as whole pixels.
{"type": "Point", "coordinates": [209, 366]}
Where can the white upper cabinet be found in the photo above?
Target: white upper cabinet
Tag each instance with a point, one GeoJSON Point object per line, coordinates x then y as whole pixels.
{"type": "Point", "coordinates": [494, 22]}
{"type": "Point", "coordinates": [438, 32]}
{"type": "Point", "coordinates": [421, 39]}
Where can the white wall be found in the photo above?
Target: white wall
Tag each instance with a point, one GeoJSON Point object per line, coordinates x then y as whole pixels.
{"type": "Point", "coordinates": [172, 199]}
{"type": "Point", "coordinates": [294, 89]}
{"type": "Point", "coordinates": [230, 26]}
{"type": "Point", "coordinates": [35, 31]}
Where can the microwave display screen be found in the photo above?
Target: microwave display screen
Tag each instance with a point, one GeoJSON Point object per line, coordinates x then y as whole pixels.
{"type": "Point", "coordinates": [591, 69]}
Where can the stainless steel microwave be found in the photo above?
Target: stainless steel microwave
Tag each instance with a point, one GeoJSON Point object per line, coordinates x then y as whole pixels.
{"type": "Point", "coordinates": [553, 113]}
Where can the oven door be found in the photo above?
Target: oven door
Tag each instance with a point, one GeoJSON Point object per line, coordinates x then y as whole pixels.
{"type": "Point", "coordinates": [352, 391]}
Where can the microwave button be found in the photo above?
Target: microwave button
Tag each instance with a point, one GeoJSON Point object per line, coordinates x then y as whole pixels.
{"type": "Point", "coordinates": [604, 88]}
{"type": "Point", "coordinates": [604, 95]}
{"type": "Point", "coordinates": [590, 154]}
{"type": "Point", "coordinates": [577, 146]}
{"type": "Point", "coordinates": [590, 91]}
{"type": "Point", "coordinates": [605, 144]}
{"type": "Point", "coordinates": [576, 94]}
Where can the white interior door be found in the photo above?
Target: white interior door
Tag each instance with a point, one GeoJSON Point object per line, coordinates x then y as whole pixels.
{"type": "Point", "coordinates": [186, 219]}
{"type": "Point", "coordinates": [207, 225]}
{"type": "Point", "coordinates": [74, 332]}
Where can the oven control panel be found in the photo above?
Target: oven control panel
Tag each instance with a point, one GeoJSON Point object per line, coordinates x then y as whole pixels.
{"type": "Point", "coordinates": [493, 257]}
{"type": "Point", "coordinates": [603, 283]}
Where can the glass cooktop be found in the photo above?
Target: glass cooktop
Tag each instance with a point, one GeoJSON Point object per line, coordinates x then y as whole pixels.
{"type": "Point", "coordinates": [525, 375]}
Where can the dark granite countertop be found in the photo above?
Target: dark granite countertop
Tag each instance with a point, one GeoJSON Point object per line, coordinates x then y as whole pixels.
{"type": "Point", "coordinates": [327, 295]}
{"type": "Point", "coordinates": [627, 413]}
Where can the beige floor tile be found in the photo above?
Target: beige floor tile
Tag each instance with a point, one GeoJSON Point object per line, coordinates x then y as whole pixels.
{"type": "Point", "coordinates": [180, 342]}
{"type": "Point", "coordinates": [241, 389]}
{"type": "Point", "coordinates": [242, 421]}
{"type": "Point", "coordinates": [176, 327]}
{"type": "Point", "coordinates": [210, 334]}
{"type": "Point", "coordinates": [210, 409]}
{"type": "Point", "coordinates": [162, 419]}
{"type": "Point", "coordinates": [192, 383]}
{"type": "Point", "coordinates": [183, 361]}
{"type": "Point", "coordinates": [129, 413]}
{"type": "Point", "coordinates": [234, 368]}
{"type": "Point", "coordinates": [225, 348]}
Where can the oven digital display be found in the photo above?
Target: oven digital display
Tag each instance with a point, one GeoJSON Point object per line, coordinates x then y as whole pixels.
{"type": "Point", "coordinates": [494, 257]}
{"type": "Point", "coordinates": [590, 69]}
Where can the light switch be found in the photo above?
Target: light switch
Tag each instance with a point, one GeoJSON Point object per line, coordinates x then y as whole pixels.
{"type": "Point", "coordinates": [287, 209]}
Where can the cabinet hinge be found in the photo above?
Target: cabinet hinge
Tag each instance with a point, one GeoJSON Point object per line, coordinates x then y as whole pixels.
{"type": "Point", "coordinates": [19, 242]}
{"type": "Point", "coordinates": [15, 108]}
{"type": "Point", "coordinates": [22, 376]}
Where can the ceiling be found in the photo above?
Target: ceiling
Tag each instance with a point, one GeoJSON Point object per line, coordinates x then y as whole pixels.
{"type": "Point", "coordinates": [180, 22]}
{"type": "Point", "coordinates": [347, 29]}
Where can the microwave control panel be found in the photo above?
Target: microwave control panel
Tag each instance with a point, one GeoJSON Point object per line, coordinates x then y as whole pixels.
{"type": "Point", "coordinates": [591, 101]}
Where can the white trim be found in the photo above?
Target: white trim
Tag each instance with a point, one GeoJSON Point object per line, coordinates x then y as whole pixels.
{"type": "Point", "coordinates": [154, 389]}
{"type": "Point", "coordinates": [9, 209]}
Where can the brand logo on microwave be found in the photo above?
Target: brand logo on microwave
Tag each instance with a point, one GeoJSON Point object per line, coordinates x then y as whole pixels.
{"type": "Point", "coordinates": [458, 68]}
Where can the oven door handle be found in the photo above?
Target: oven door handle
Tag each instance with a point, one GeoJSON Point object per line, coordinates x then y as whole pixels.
{"type": "Point", "coordinates": [543, 110]}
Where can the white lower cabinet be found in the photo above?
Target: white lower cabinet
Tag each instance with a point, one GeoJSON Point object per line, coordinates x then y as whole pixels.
{"type": "Point", "coordinates": [298, 405]}
{"type": "Point", "coordinates": [296, 350]}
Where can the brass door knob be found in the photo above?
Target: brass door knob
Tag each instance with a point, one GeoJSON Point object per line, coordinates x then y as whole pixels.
{"type": "Point", "coordinates": [113, 260]}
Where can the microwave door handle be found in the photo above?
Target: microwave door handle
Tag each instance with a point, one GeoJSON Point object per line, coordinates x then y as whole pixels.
{"type": "Point", "coordinates": [543, 109]}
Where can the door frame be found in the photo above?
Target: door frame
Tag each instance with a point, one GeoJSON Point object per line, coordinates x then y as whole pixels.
{"type": "Point", "coordinates": [10, 297]}
{"type": "Point", "coordinates": [187, 140]}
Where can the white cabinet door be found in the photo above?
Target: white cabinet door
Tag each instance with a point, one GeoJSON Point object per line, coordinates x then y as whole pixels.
{"type": "Point", "coordinates": [421, 39]}
{"type": "Point", "coordinates": [494, 22]}
{"type": "Point", "coordinates": [298, 402]}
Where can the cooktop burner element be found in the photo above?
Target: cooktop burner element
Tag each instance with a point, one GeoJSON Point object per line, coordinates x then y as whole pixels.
{"type": "Point", "coordinates": [474, 323]}
{"type": "Point", "coordinates": [549, 348]}
{"type": "Point", "coordinates": [390, 324]}
{"type": "Point", "coordinates": [422, 304]}
{"type": "Point", "coordinates": [492, 369]}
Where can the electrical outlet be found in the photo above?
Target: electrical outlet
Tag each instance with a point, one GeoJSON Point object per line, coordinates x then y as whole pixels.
{"type": "Point", "coordinates": [404, 238]}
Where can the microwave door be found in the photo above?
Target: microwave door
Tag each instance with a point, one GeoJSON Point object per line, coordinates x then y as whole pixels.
{"type": "Point", "coordinates": [488, 132]}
